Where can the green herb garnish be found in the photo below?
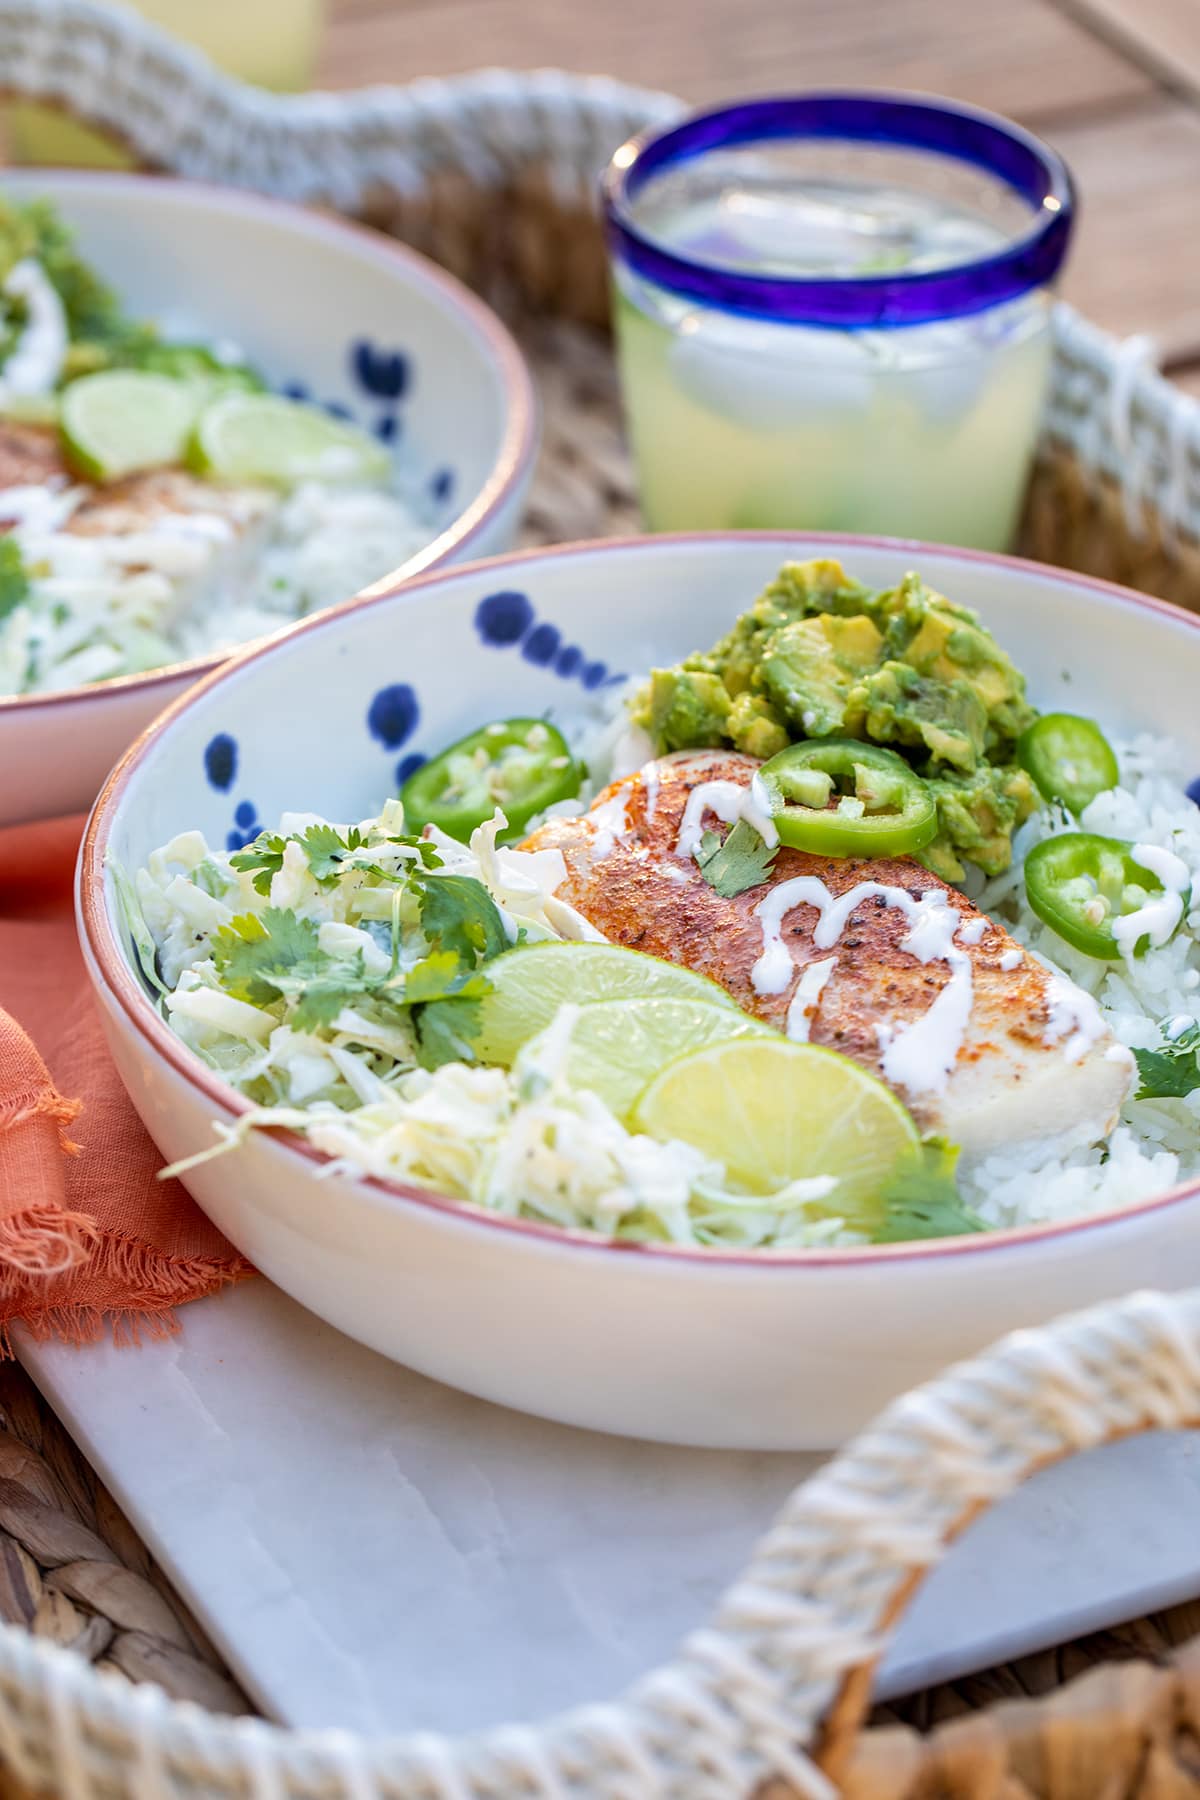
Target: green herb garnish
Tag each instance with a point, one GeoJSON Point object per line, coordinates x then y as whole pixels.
{"type": "Point", "coordinates": [742, 861]}
{"type": "Point", "coordinates": [1172, 1072]}
{"type": "Point", "coordinates": [921, 1198]}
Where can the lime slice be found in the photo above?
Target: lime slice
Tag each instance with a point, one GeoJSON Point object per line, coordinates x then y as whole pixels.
{"type": "Point", "coordinates": [529, 986]}
{"type": "Point", "coordinates": [617, 1046]}
{"type": "Point", "coordinates": [123, 420]}
{"type": "Point", "coordinates": [774, 1112]}
{"type": "Point", "coordinates": [263, 437]}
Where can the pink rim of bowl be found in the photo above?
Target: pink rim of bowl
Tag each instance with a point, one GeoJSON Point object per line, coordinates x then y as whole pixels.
{"type": "Point", "coordinates": [97, 934]}
{"type": "Point", "coordinates": [517, 448]}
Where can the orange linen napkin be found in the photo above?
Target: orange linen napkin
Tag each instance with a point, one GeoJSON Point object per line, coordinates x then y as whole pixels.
{"type": "Point", "coordinates": [87, 1232]}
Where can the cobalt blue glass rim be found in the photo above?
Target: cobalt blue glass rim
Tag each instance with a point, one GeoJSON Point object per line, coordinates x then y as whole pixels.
{"type": "Point", "coordinates": [1030, 168]}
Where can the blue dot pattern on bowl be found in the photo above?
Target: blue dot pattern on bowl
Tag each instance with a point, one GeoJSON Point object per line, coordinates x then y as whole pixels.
{"type": "Point", "coordinates": [221, 761]}
{"type": "Point", "coordinates": [1193, 790]}
{"type": "Point", "coordinates": [392, 715]}
{"type": "Point", "coordinates": [441, 486]}
{"type": "Point", "coordinates": [246, 826]}
{"type": "Point", "coordinates": [384, 373]}
{"type": "Point", "coordinates": [541, 645]}
{"type": "Point", "coordinates": [387, 429]}
{"type": "Point", "coordinates": [507, 618]}
{"type": "Point", "coordinates": [408, 765]}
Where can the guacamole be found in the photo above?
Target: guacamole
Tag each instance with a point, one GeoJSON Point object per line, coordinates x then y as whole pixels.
{"type": "Point", "coordinates": [819, 655]}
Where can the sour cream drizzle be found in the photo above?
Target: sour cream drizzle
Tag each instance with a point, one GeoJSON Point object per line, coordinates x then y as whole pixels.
{"type": "Point", "coordinates": [917, 1057]}
{"type": "Point", "coordinates": [1074, 1015]}
{"type": "Point", "coordinates": [804, 1001]}
{"type": "Point", "coordinates": [650, 781]}
{"type": "Point", "coordinates": [36, 360]}
{"type": "Point", "coordinates": [1162, 912]}
{"type": "Point", "coordinates": [611, 820]}
{"type": "Point", "coordinates": [731, 802]}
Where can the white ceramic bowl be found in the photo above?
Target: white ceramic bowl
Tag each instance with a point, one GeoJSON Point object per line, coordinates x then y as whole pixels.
{"type": "Point", "coordinates": [698, 1347]}
{"type": "Point", "coordinates": [346, 314]}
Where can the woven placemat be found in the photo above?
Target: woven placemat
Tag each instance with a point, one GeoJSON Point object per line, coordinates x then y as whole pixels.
{"type": "Point", "coordinates": [73, 1569]}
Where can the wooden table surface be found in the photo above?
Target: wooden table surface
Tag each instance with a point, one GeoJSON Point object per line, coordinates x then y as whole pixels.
{"type": "Point", "coordinates": [1113, 84]}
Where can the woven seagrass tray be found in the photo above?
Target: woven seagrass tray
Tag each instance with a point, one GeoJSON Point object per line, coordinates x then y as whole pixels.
{"type": "Point", "coordinates": [493, 176]}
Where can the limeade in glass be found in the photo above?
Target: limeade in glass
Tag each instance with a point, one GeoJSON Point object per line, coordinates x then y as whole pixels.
{"type": "Point", "coordinates": [834, 313]}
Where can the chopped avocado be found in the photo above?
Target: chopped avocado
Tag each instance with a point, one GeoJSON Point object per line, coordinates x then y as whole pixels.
{"type": "Point", "coordinates": [818, 654]}
{"type": "Point", "coordinates": [685, 709]}
{"type": "Point", "coordinates": [802, 589]}
{"type": "Point", "coordinates": [810, 666]}
{"type": "Point", "coordinates": [755, 727]}
{"type": "Point", "coordinates": [896, 705]}
{"type": "Point", "coordinates": [937, 638]}
{"type": "Point", "coordinates": [977, 815]}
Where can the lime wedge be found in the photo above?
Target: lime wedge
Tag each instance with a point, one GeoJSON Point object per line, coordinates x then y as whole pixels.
{"type": "Point", "coordinates": [123, 420]}
{"type": "Point", "coordinates": [775, 1112]}
{"type": "Point", "coordinates": [617, 1046]}
{"type": "Point", "coordinates": [529, 986]}
{"type": "Point", "coordinates": [263, 437]}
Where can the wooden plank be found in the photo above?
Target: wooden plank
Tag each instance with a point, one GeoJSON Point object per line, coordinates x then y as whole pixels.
{"type": "Point", "coordinates": [1188, 378]}
{"type": "Point", "coordinates": [1021, 57]}
{"type": "Point", "coordinates": [1136, 262]}
{"type": "Point", "coordinates": [1161, 36]}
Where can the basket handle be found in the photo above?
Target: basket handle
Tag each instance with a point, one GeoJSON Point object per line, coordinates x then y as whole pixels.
{"type": "Point", "coordinates": [787, 1664]}
{"type": "Point", "coordinates": [174, 110]}
{"type": "Point", "coordinates": [767, 1700]}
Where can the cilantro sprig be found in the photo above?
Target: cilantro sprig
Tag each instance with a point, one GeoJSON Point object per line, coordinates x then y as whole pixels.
{"type": "Point", "coordinates": [328, 852]}
{"type": "Point", "coordinates": [742, 861]}
{"type": "Point", "coordinates": [266, 957]}
{"type": "Point", "coordinates": [921, 1198]}
{"type": "Point", "coordinates": [1173, 1071]}
{"type": "Point", "coordinates": [275, 957]}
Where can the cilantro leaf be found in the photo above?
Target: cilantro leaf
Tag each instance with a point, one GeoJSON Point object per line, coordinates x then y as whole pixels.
{"type": "Point", "coordinates": [430, 859]}
{"type": "Point", "coordinates": [441, 976]}
{"type": "Point", "coordinates": [1172, 1072]}
{"type": "Point", "coordinates": [445, 1031]}
{"type": "Point", "coordinates": [921, 1198]}
{"type": "Point", "coordinates": [742, 861]}
{"type": "Point", "coordinates": [277, 956]}
{"type": "Point", "coordinates": [327, 850]}
{"type": "Point", "coordinates": [265, 855]}
{"type": "Point", "coordinates": [14, 582]}
{"type": "Point", "coordinates": [458, 914]}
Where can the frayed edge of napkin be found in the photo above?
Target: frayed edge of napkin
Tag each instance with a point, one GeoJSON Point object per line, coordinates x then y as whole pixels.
{"type": "Point", "coordinates": [154, 1284]}
{"type": "Point", "coordinates": [47, 1104]}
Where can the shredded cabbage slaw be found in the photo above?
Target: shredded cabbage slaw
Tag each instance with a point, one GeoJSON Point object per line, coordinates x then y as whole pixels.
{"type": "Point", "coordinates": [520, 1142]}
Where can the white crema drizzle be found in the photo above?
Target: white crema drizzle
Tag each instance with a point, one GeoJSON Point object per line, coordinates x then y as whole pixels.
{"type": "Point", "coordinates": [730, 801]}
{"type": "Point", "coordinates": [917, 1057]}
{"type": "Point", "coordinates": [1162, 912]}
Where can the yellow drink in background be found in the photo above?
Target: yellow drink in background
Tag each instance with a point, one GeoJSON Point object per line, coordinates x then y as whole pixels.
{"type": "Point", "coordinates": [749, 405]}
{"type": "Point", "coordinates": [272, 43]}
{"type": "Point", "coordinates": [737, 424]}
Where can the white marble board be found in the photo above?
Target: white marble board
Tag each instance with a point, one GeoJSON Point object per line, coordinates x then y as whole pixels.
{"type": "Point", "coordinates": [373, 1551]}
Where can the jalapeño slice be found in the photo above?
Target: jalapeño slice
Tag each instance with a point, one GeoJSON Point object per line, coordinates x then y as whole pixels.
{"type": "Point", "coordinates": [1069, 758]}
{"type": "Point", "coordinates": [1081, 884]}
{"type": "Point", "coordinates": [518, 765]}
{"type": "Point", "coordinates": [839, 797]}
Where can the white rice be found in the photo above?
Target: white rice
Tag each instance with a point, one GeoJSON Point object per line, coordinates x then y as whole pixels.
{"type": "Point", "coordinates": [191, 582]}
{"type": "Point", "coordinates": [1157, 1142]}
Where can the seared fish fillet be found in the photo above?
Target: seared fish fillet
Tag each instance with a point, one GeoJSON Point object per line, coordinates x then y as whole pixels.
{"type": "Point", "coordinates": [30, 456]}
{"type": "Point", "coordinates": [914, 982]}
